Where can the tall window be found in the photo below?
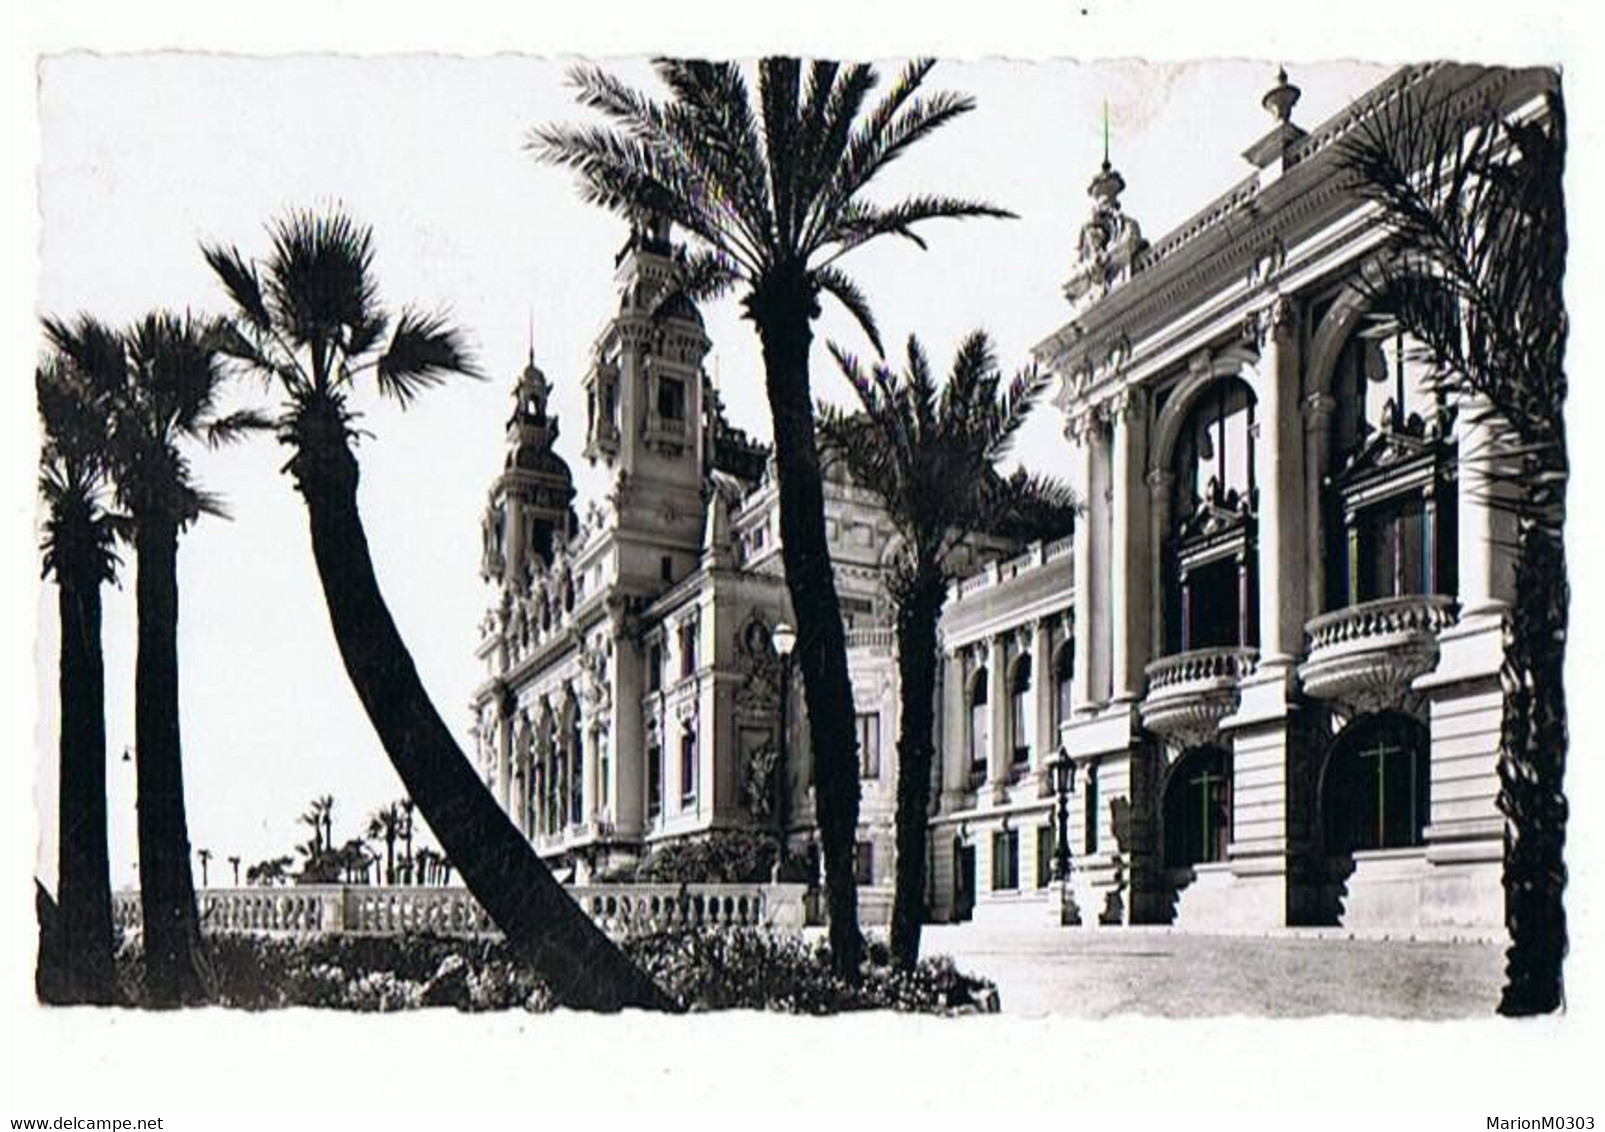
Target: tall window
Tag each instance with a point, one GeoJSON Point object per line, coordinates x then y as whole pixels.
{"type": "Point", "coordinates": [688, 647]}
{"type": "Point", "coordinates": [688, 765]}
{"type": "Point", "coordinates": [1198, 808]}
{"type": "Point", "coordinates": [863, 863]}
{"type": "Point", "coordinates": [1063, 672]}
{"type": "Point", "coordinates": [1377, 784]}
{"type": "Point", "coordinates": [671, 399]}
{"type": "Point", "coordinates": [604, 769]}
{"type": "Point", "coordinates": [869, 744]}
{"type": "Point", "coordinates": [1089, 836]}
{"type": "Point", "coordinates": [1019, 716]}
{"type": "Point", "coordinates": [576, 770]}
{"type": "Point", "coordinates": [1044, 855]}
{"type": "Point", "coordinates": [654, 667]}
{"type": "Point", "coordinates": [654, 781]}
{"type": "Point", "coordinates": [1005, 860]}
{"type": "Point", "coordinates": [980, 726]}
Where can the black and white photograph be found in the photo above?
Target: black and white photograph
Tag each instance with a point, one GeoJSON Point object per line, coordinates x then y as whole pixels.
{"type": "Point", "coordinates": [628, 574]}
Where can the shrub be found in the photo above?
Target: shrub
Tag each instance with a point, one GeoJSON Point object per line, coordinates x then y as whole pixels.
{"type": "Point", "coordinates": [728, 856]}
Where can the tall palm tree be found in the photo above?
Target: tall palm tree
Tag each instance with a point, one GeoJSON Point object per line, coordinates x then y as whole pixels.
{"type": "Point", "coordinates": [1475, 196]}
{"type": "Point", "coordinates": [774, 194]}
{"type": "Point", "coordinates": [234, 864]}
{"type": "Point", "coordinates": [385, 825]}
{"type": "Point", "coordinates": [78, 550]}
{"type": "Point", "coordinates": [162, 380]}
{"type": "Point", "coordinates": [204, 856]}
{"type": "Point", "coordinates": [931, 456]}
{"type": "Point", "coordinates": [310, 322]}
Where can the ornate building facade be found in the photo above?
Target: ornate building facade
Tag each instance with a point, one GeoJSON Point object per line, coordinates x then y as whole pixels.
{"type": "Point", "coordinates": [1271, 646]}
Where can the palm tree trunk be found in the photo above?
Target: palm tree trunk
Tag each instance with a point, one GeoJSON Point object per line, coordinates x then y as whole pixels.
{"type": "Point", "coordinates": [1532, 769]}
{"type": "Point", "coordinates": [540, 921]}
{"type": "Point", "coordinates": [783, 327]}
{"type": "Point", "coordinates": [83, 941]}
{"type": "Point", "coordinates": [917, 616]}
{"type": "Point", "coordinates": [166, 884]}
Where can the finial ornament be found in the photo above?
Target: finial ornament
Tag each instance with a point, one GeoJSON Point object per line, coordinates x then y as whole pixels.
{"type": "Point", "coordinates": [1282, 97]}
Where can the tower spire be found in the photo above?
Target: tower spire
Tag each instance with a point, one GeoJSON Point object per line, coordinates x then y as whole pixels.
{"type": "Point", "coordinates": [1106, 133]}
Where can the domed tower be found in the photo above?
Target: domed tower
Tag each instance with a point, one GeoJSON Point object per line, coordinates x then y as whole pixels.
{"type": "Point", "coordinates": [531, 501]}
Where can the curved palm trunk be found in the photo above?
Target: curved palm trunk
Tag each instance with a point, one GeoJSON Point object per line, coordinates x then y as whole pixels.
{"type": "Point", "coordinates": [1531, 770]}
{"type": "Point", "coordinates": [821, 643]}
{"type": "Point", "coordinates": [82, 966]}
{"type": "Point", "coordinates": [541, 922]}
{"type": "Point", "coordinates": [166, 884]}
{"type": "Point", "coordinates": [917, 619]}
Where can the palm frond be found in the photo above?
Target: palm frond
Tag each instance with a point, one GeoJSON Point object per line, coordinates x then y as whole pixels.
{"type": "Point", "coordinates": [230, 428]}
{"type": "Point", "coordinates": [424, 350]}
{"type": "Point", "coordinates": [240, 280]}
{"type": "Point", "coordinates": [834, 282]}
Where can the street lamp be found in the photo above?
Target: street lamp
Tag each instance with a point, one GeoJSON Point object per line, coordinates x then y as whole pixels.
{"type": "Point", "coordinates": [1062, 768]}
{"type": "Point", "coordinates": [784, 638]}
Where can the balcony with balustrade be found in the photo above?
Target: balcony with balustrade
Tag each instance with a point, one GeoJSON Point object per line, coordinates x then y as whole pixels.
{"type": "Point", "coordinates": [1365, 656]}
{"type": "Point", "coordinates": [1189, 693]}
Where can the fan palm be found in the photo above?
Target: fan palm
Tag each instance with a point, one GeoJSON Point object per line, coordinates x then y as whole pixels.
{"type": "Point", "coordinates": [1474, 204]}
{"type": "Point", "coordinates": [774, 195]}
{"type": "Point", "coordinates": [309, 321]}
{"type": "Point", "coordinates": [162, 379]}
{"type": "Point", "coordinates": [385, 825]}
{"type": "Point", "coordinates": [78, 550]}
{"type": "Point", "coordinates": [931, 456]}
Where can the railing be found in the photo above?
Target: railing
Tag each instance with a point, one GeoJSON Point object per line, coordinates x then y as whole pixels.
{"type": "Point", "coordinates": [1058, 548]}
{"type": "Point", "coordinates": [393, 909]}
{"type": "Point", "coordinates": [1199, 666]}
{"type": "Point", "coordinates": [871, 638]}
{"type": "Point", "coordinates": [1384, 617]}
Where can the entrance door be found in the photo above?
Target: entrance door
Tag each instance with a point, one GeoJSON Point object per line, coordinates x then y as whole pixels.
{"type": "Point", "coordinates": [963, 880]}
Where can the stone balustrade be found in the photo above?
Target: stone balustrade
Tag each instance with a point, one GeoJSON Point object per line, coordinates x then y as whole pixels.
{"type": "Point", "coordinates": [880, 640]}
{"type": "Point", "coordinates": [619, 909]}
{"type": "Point", "coordinates": [1191, 692]}
{"type": "Point", "coordinates": [1365, 657]}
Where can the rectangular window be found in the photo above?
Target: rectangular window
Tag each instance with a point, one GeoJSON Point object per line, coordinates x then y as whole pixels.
{"type": "Point", "coordinates": [666, 568]}
{"type": "Point", "coordinates": [671, 399]}
{"type": "Point", "coordinates": [1089, 841]}
{"type": "Point", "coordinates": [688, 767]}
{"type": "Point", "coordinates": [1005, 860]}
{"type": "Point", "coordinates": [654, 667]}
{"type": "Point", "coordinates": [688, 648]}
{"type": "Point", "coordinates": [864, 863]}
{"type": "Point", "coordinates": [1044, 855]}
{"type": "Point", "coordinates": [869, 745]}
{"type": "Point", "coordinates": [654, 781]}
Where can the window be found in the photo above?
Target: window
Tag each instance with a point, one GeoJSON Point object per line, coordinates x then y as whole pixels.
{"type": "Point", "coordinates": [654, 781]}
{"type": "Point", "coordinates": [1198, 808]}
{"type": "Point", "coordinates": [576, 768]}
{"type": "Point", "coordinates": [688, 647]}
{"type": "Point", "coordinates": [1044, 855]}
{"type": "Point", "coordinates": [666, 568]}
{"type": "Point", "coordinates": [1377, 783]}
{"type": "Point", "coordinates": [1394, 548]}
{"type": "Point", "coordinates": [1089, 840]}
{"type": "Point", "coordinates": [654, 667]}
{"type": "Point", "coordinates": [1019, 718]}
{"type": "Point", "coordinates": [688, 765]}
{"type": "Point", "coordinates": [604, 771]}
{"type": "Point", "coordinates": [980, 729]}
{"type": "Point", "coordinates": [863, 863]}
{"type": "Point", "coordinates": [1063, 673]}
{"type": "Point", "coordinates": [1005, 860]}
{"type": "Point", "coordinates": [671, 399]}
{"type": "Point", "coordinates": [869, 744]}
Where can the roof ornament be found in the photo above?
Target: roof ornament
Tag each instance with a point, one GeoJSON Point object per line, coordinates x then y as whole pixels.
{"type": "Point", "coordinates": [1278, 102]}
{"type": "Point", "coordinates": [1109, 241]}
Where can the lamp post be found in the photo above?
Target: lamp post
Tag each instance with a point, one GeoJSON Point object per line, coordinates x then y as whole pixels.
{"type": "Point", "coordinates": [1063, 770]}
{"type": "Point", "coordinates": [784, 638]}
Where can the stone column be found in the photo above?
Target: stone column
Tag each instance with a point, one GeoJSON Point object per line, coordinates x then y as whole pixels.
{"type": "Point", "coordinates": [1484, 581]}
{"type": "Point", "coordinates": [1277, 469]}
{"type": "Point", "coordinates": [955, 757]}
{"type": "Point", "coordinates": [1317, 410]}
{"type": "Point", "coordinates": [1043, 689]}
{"type": "Point", "coordinates": [999, 750]}
{"type": "Point", "coordinates": [1082, 431]}
{"type": "Point", "coordinates": [589, 801]}
{"type": "Point", "coordinates": [1129, 607]}
{"type": "Point", "coordinates": [1161, 481]}
{"type": "Point", "coordinates": [504, 759]}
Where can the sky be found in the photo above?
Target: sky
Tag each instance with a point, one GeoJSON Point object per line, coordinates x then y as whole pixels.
{"type": "Point", "coordinates": [145, 158]}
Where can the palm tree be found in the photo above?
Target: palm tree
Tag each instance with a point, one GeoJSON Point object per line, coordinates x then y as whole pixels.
{"type": "Point", "coordinates": [774, 196]}
{"type": "Point", "coordinates": [931, 456]}
{"type": "Point", "coordinates": [1475, 197]}
{"type": "Point", "coordinates": [162, 379]}
{"type": "Point", "coordinates": [205, 858]}
{"type": "Point", "coordinates": [234, 863]}
{"type": "Point", "coordinates": [78, 550]}
{"type": "Point", "coordinates": [309, 321]}
{"type": "Point", "coordinates": [270, 872]}
{"type": "Point", "coordinates": [385, 825]}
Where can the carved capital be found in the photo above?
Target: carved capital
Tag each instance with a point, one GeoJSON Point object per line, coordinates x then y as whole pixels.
{"type": "Point", "coordinates": [1276, 319]}
{"type": "Point", "coordinates": [1317, 408]}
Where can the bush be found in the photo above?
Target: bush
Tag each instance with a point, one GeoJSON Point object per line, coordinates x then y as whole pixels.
{"type": "Point", "coordinates": [710, 968]}
{"type": "Point", "coordinates": [729, 856]}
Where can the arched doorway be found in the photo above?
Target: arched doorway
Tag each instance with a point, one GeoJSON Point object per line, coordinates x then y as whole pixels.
{"type": "Point", "coordinates": [1198, 808]}
{"type": "Point", "coordinates": [1376, 785]}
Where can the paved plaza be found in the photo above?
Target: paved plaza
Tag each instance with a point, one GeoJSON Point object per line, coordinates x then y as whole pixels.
{"type": "Point", "coordinates": [1159, 971]}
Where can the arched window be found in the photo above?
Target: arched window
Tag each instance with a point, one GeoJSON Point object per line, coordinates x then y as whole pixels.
{"type": "Point", "coordinates": [1198, 808]}
{"type": "Point", "coordinates": [1375, 790]}
{"type": "Point", "coordinates": [980, 726]}
{"type": "Point", "coordinates": [576, 768]}
{"type": "Point", "coordinates": [1211, 598]}
{"type": "Point", "coordinates": [1063, 671]}
{"type": "Point", "coordinates": [1019, 714]}
{"type": "Point", "coordinates": [688, 764]}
